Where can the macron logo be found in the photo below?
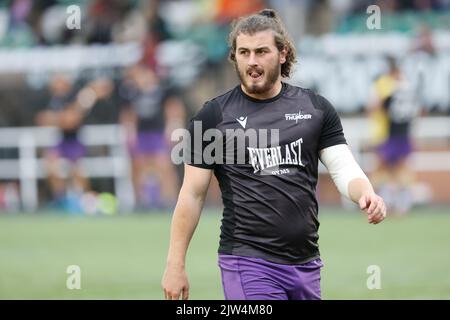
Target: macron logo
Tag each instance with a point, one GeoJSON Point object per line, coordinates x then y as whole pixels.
{"type": "Point", "coordinates": [242, 121]}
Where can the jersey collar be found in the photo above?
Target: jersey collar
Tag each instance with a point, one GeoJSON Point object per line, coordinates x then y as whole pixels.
{"type": "Point", "coordinates": [283, 88]}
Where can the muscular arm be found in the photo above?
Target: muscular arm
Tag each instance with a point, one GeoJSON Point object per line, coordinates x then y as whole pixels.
{"type": "Point", "coordinates": [184, 222]}
{"type": "Point", "coordinates": [352, 182]}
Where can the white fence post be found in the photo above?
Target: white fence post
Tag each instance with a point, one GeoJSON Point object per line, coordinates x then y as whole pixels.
{"type": "Point", "coordinates": [122, 174]}
{"type": "Point", "coordinates": [27, 171]}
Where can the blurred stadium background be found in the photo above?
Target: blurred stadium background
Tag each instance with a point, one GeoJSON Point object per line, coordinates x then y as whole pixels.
{"type": "Point", "coordinates": [126, 55]}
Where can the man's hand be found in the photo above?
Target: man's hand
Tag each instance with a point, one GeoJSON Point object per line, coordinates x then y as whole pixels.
{"type": "Point", "coordinates": [374, 206]}
{"type": "Point", "coordinates": [175, 284]}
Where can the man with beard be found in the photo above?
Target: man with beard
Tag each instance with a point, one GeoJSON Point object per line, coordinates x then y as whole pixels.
{"type": "Point", "coordinates": [268, 243]}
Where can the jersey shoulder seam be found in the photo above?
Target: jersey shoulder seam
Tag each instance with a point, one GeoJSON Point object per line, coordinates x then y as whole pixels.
{"type": "Point", "coordinates": [222, 95]}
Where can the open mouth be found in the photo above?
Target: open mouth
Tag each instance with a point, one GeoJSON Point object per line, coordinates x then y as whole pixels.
{"type": "Point", "coordinates": [255, 75]}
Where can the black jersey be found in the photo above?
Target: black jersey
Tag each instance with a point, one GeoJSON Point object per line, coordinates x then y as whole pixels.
{"type": "Point", "coordinates": [148, 105]}
{"type": "Point", "coordinates": [270, 205]}
{"type": "Point", "coordinates": [59, 104]}
{"type": "Point", "coordinates": [402, 106]}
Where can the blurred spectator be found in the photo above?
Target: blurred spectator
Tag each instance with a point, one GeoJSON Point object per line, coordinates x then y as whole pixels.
{"type": "Point", "coordinates": [150, 113]}
{"type": "Point", "coordinates": [102, 16]}
{"type": "Point", "coordinates": [68, 110]}
{"type": "Point", "coordinates": [19, 32]}
{"type": "Point", "coordinates": [104, 108]}
{"type": "Point", "coordinates": [62, 112]}
{"type": "Point", "coordinates": [424, 41]}
{"type": "Point", "coordinates": [393, 107]}
{"type": "Point", "coordinates": [156, 31]}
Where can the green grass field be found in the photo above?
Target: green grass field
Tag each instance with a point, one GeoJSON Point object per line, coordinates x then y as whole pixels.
{"type": "Point", "coordinates": [123, 257]}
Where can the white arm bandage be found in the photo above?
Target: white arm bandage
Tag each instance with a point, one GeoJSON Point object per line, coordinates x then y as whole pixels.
{"type": "Point", "coordinates": [342, 166]}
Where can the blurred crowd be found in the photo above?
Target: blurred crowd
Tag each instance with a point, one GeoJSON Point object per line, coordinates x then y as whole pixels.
{"type": "Point", "coordinates": [28, 23]}
{"type": "Point", "coordinates": [147, 109]}
{"type": "Point", "coordinates": [143, 97]}
{"type": "Point", "coordinates": [402, 5]}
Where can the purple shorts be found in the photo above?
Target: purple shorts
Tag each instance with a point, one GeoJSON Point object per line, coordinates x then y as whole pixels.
{"type": "Point", "coordinates": [395, 149]}
{"type": "Point", "coordinates": [149, 143]}
{"type": "Point", "coordinates": [70, 149]}
{"type": "Point", "coordinates": [246, 278]}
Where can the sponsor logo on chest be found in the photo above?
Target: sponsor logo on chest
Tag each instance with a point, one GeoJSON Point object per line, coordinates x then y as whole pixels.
{"type": "Point", "coordinates": [297, 116]}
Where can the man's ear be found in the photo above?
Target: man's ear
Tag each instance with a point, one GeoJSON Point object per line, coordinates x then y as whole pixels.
{"type": "Point", "coordinates": [283, 54]}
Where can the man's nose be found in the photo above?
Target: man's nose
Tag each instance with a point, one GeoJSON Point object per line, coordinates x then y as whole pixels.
{"type": "Point", "coordinates": [252, 59]}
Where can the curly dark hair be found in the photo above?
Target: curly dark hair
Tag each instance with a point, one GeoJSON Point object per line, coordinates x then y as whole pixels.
{"type": "Point", "coordinates": [266, 19]}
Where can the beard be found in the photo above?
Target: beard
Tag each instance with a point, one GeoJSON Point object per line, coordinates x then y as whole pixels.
{"type": "Point", "coordinates": [270, 77]}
